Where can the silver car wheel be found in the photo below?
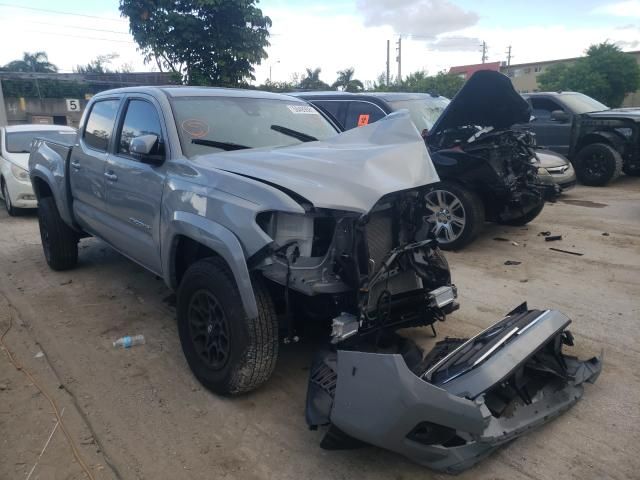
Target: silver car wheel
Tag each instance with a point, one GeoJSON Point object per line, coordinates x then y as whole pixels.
{"type": "Point", "coordinates": [447, 215]}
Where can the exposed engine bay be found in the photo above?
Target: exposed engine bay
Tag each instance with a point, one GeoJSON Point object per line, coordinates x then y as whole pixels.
{"type": "Point", "coordinates": [374, 272]}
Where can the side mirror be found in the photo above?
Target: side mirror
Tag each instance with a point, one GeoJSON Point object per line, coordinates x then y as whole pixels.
{"type": "Point", "coordinates": [143, 144]}
{"type": "Point", "coordinates": [559, 116]}
{"type": "Point", "coordinates": [142, 147]}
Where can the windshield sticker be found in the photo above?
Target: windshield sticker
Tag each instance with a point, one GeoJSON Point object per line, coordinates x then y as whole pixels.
{"type": "Point", "coordinates": [304, 109]}
{"type": "Point", "coordinates": [195, 128]}
{"type": "Point", "coordinates": [363, 120]}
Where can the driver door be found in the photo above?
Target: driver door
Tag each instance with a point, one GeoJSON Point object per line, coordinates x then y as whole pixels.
{"type": "Point", "coordinates": [134, 185]}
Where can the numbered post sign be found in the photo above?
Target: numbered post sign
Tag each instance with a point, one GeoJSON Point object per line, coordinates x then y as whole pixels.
{"type": "Point", "coordinates": [73, 104]}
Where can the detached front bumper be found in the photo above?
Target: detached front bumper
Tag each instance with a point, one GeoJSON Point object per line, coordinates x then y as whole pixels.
{"type": "Point", "coordinates": [455, 419]}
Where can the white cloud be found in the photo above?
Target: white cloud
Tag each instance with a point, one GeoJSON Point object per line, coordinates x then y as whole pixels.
{"type": "Point", "coordinates": [427, 18]}
{"type": "Point", "coordinates": [628, 8]}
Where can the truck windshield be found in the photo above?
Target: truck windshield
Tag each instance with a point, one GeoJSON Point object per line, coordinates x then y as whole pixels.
{"type": "Point", "coordinates": [580, 103]}
{"type": "Point", "coordinates": [20, 142]}
{"type": "Point", "coordinates": [207, 124]}
{"type": "Point", "coordinates": [423, 112]}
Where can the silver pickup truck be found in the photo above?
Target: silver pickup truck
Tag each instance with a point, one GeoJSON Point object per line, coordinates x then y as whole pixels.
{"type": "Point", "coordinates": [267, 221]}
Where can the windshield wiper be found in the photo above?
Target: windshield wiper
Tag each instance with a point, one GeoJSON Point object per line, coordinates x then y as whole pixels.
{"type": "Point", "coordinates": [303, 137]}
{"type": "Point", "coordinates": [227, 146]}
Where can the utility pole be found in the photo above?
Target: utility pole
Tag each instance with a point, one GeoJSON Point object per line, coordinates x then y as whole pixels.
{"type": "Point", "coordinates": [399, 58]}
{"type": "Point", "coordinates": [484, 51]}
{"type": "Point", "coordinates": [388, 48]}
{"type": "Point", "coordinates": [509, 60]}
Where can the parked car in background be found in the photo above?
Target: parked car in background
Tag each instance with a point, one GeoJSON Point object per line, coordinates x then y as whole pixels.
{"type": "Point", "coordinates": [558, 167]}
{"type": "Point", "coordinates": [15, 144]}
{"type": "Point", "coordinates": [487, 170]}
{"type": "Point", "coordinates": [600, 142]}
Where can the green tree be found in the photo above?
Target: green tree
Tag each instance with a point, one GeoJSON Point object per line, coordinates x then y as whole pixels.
{"type": "Point", "coordinates": [311, 80]}
{"type": "Point", "coordinates": [98, 64]}
{"type": "Point", "coordinates": [441, 84]}
{"type": "Point", "coordinates": [32, 62]}
{"type": "Point", "coordinates": [346, 81]}
{"type": "Point", "coordinates": [606, 74]}
{"type": "Point", "coordinates": [205, 42]}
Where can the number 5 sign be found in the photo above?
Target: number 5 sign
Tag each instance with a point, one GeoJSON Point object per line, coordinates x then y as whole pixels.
{"type": "Point", "coordinates": [73, 104]}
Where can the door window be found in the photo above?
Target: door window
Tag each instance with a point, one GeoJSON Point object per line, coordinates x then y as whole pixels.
{"type": "Point", "coordinates": [333, 108]}
{"type": "Point", "coordinates": [542, 107]}
{"type": "Point", "coordinates": [360, 114]}
{"type": "Point", "coordinates": [100, 124]}
{"type": "Point", "coordinates": [141, 119]}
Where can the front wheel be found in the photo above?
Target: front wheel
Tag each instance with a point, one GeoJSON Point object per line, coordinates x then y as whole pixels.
{"type": "Point", "coordinates": [597, 164]}
{"type": "Point", "coordinates": [11, 210]}
{"type": "Point", "coordinates": [228, 352]}
{"type": "Point", "coordinates": [457, 214]}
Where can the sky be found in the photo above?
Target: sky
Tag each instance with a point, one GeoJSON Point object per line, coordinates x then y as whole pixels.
{"type": "Point", "coordinates": [335, 34]}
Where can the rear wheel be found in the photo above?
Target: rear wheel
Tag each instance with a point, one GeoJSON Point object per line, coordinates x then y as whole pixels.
{"type": "Point", "coordinates": [456, 213]}
{"type": "Point", "coordinates": [7, 200]}
{"type": "Point", "coordinates": [59, 241]}
{"type": "Point", "coordinates": [228, 352]}
{"type": "Point", "coordinates": [597, 164]}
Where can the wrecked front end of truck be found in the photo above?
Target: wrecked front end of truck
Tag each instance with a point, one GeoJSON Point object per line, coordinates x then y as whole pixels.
{"type": "Point", "coordinates": [356, 254]}
{"type": "Point", "coordinates": [449, 409]}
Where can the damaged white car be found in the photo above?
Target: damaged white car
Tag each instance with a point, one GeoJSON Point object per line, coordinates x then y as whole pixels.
{"type": "Point", "coordinates": [267, 222]}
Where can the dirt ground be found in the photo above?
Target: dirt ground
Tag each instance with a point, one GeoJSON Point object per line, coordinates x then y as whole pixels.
{"type": "Point", "coordinates": [139, 413]}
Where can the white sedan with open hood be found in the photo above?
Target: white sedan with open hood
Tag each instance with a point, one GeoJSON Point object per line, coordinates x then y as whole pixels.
{"type": "Point", "coordinates": [15, 144]}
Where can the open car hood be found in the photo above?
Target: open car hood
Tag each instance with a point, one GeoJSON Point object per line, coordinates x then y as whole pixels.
{"type": "Point", "coordinates": [487, 99]}
{"type": "Point", "coordinates": [350, 171]}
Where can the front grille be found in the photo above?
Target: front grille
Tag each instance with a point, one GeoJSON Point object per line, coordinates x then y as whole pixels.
{"type": "Point", "coordinates": [379, 235]}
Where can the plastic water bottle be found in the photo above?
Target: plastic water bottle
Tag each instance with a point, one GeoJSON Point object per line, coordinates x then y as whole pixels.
{"type": "Point", "coordinates": [129, 341]}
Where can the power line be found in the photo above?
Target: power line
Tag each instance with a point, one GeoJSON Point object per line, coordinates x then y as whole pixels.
{"type": "Point", "coordinates": [81, 36]}
{"type": "Point", "coordinates": [72, 26]}
{"type": "Point", "coordinates": [60, 12]}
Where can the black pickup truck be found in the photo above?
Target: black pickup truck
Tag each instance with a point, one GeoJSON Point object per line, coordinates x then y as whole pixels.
{"type": "Point", "coordinates": [600, 142]}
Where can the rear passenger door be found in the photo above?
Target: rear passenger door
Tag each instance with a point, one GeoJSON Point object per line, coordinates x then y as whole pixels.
{"type": "Point", "coordinates": [134, 184]}
{"type": "Point", "coordinates": [87, 166]}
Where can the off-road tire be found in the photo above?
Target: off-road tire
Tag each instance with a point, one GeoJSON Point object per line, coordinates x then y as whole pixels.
{"type": "Point", "coordinates": [473, 209]}
{"type": "Point", "coordinates": [11, 210]}
{"type": "Point", "coordinates": [607, 156]}
{"type": "Point", "coordinates": [253, 342]}
{"type": "Point", "coordinates": [59, 241]}
{"type": "Point", "coordinates": [526, 218]}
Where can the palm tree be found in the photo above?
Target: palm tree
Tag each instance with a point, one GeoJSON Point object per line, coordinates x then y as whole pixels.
{"type": "Point", "coordinates": [347, 82]}
{"type": "Point", "coordinates": [32, 62]}
{"type": "Point", "coordinates": [312, 81]}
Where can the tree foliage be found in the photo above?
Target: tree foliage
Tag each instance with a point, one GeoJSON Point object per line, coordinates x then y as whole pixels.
{"type": "Point", "coordinates": [98, 64]}
{"type": "Point", "coordinates": [346, 82]}
{"type": "Point", "coordinates": [206, 42]}
{"type": "Point", "coordinates": [606, 74]}
{"type": "Point", "coordinates": [311, 80]}
{"type": "Point", "coordinates": [32, 62]}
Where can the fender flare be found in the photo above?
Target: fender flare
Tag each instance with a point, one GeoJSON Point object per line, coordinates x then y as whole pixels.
{"type": "Point", "coordinates": [49, 178]}
{"type": "Point", "coordinates": [611, 138]}
{"type": "Point", "coordinates": [219, 239]}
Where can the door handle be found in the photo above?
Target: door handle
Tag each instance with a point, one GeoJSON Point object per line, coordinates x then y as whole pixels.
{"type": "Point", "coordinates": [112, 177]}
{"type": "Point", "coordinates": [75, 165]}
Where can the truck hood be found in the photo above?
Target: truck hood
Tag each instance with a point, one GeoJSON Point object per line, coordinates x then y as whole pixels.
{"type": "Point", "coordinates": [350, 171]}
{"type": "Point", "coordinates": [488, 99]}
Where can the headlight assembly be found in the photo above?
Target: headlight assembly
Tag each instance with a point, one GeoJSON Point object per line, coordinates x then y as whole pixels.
{"type": "Point", "coordinates": [19, 173]}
